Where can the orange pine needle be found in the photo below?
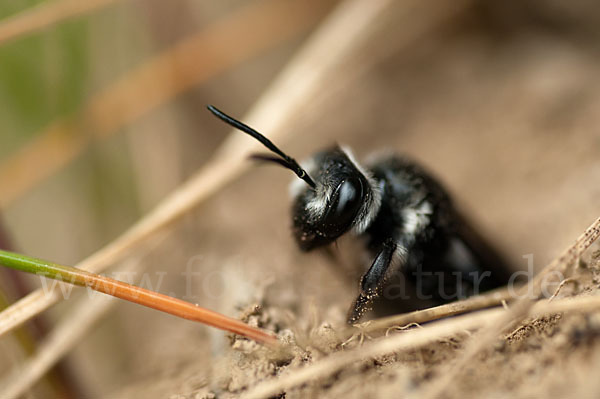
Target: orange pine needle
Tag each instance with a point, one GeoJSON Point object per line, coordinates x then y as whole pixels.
{"type": "Point", "coordinates": [176, 307]}
{"type": "Point", "coordinates": [131, 293]}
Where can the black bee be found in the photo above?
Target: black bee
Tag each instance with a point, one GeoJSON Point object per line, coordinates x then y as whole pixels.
{"type": "Point", "coordinates": [406, 217]}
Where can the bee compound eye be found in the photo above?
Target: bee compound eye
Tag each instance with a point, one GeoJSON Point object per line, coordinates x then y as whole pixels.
{"type": "Point", "coordinates": [344, 205]}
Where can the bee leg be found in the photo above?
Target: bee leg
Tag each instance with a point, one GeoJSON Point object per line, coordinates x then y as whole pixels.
{"type": "Point", "coordinates": [372, 281]}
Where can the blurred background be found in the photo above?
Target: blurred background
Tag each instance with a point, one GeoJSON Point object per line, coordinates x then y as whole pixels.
{"type": "Point", "coordinates": [103, 115]}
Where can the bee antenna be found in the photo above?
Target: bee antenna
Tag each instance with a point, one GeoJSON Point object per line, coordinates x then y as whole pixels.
{"type": "Point", "coordinates": [286, 161]}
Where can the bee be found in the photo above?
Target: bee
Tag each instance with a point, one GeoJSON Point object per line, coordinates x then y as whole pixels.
{"type": "Point", "coordinates": [405, 217]}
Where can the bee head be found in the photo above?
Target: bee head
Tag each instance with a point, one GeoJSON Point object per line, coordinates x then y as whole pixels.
{"type": "Point", "coordinates": [338, 194]}
{"type": "Point", "coordinates": [345, 198]}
